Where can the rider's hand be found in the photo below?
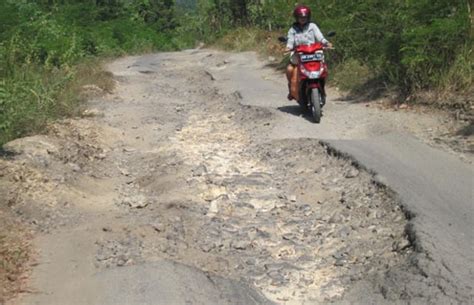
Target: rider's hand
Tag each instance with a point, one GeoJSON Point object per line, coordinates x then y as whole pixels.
{"type": "Point", "coordinates": [330, 46]}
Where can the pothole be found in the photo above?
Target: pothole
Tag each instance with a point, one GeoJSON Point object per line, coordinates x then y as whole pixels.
{"type": "Point", "coordinates": [296, 222]}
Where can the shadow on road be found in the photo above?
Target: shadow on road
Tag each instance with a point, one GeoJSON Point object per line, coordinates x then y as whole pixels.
{"type": "Point", "coordinates": [296, 111]}
{"type": "Point", "coordinates": [5, 154]}
{"type": "Point", "coordinates": [466, 131]}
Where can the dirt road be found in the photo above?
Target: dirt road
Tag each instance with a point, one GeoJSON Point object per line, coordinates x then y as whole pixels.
{"type": "Point", "coordinates": [196, 182]}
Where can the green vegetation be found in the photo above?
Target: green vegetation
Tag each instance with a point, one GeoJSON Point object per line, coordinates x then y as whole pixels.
{"type": "Point", "coordinates": [45, 47]}
{"type": "Point", "coordinates": [51, 49]}
{"type": "Point", "coordinates": [409, 46]}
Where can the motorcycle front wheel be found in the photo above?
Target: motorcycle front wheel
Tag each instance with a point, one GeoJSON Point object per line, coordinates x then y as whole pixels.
{"type": "Point", "coordinates": [316, 105]}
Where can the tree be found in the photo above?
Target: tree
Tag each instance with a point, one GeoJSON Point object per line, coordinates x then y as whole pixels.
{"type": "Point", "coordinates": [159, 13]}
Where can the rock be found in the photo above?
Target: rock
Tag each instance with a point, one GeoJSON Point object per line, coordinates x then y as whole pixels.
{"type": "Point", "coordinates": [123, 260]}
{"type": "Point", "coordinates": [92, 113]}
{"type": "Point", "coordinates": [101, 256]}
{"type": "Point", "coordinates": [136, 202]}
{"type": "Point", "coordinates": [279, 267]}
{"type": "Point", "coordinates": [339, 255]}
{"type": "Point", "coordinates": [146, 72]}
{"type": "Point", "coordinates": [213, 193]}
{"type": "Point", "coordinates": [263, 234]}
{"type": "Point", "coordinates": [263, 205]}
{"type": "Point", "coordinates": [210, 75]}
{"type": "Point", "coordinates": [75, 168]}
{"type": "Point", "coordinates": [280, 204]}
{"type": "Point", "coordinates": [375, 214]}
{"type": "Point", "coordinates": [239, 180]}
{"type": "Point", "coordinates": [237, 95]}
{"type": "Point", "coordinates": [306, 280]}
{"type": "Point", "coordinates": [369, 254]}
{"type": "Point", "coordinates": [345, 232]}
{"type": "Point", "coordinates": [282, 196]}
{"type": "Point", "coordinates": [125, 172]}
{"type": "Point", "coordinates": [335, 218]}
{"type": "Point", "coordinates": [33, 146]}
{"type": "Point", "coordinates": [372, 229]}
{"type": "Point", "coordinates": [207, 247]}
{"type": "Point", "coordinates": [240, 244]}
{"type": "Point", "coordinates": [339, 262]}
{"type": "Point", "coordinates": [200, 171]}
{"type": "Point", "coordinates": [278, 279]}
{"type": "Point", "coordinates": [352, 173]}
{"type": "Point", "coordinates": [401, 245]}
{"type": "Point", "coordinates": [289, 236]}
{"type": "Point", "coordinates": [213, 208]}
{"type": "Point", "coordinates": [159, 227]}
{"type": "Point", "coordinates": [221, 204]}
{"type": "Point", "coordinates": [101, 156]}
{"type": "Point", "coordinates": [292, 198]}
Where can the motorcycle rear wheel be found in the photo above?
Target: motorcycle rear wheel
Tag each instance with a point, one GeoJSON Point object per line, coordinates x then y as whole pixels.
{"type": "Point", "coordinates": [316, 105]}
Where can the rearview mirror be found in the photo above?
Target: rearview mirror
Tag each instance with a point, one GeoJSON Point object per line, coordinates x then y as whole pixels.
{"type": "Point", "coordinates": [331, 34]}
{"type": "Point", "coordinates": [283, 39]}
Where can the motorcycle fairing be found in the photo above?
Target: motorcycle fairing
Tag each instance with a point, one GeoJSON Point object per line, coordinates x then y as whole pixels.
{"type": "Point", "coordinates": [308, 49]}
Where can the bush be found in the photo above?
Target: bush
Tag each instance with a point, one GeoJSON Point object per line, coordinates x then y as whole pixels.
{"type": "Point", "coordinates": [43, 44]}
{"type": "Point", "coordinates": [27, 100]}
{"type": "Point", "coordinates": [351, 75]}
{"type": "Point", "coordinates": [408, 44]}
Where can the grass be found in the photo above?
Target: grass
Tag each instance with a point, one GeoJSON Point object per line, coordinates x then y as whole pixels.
{"type": "Point", "coordinates": [454, 90]}
{"type": "Point", "coordinates": [351, 75]}
{"type": "Point", "coordinates": [33, 96]}
{"type": "Point", "coordinates": [251, 39]}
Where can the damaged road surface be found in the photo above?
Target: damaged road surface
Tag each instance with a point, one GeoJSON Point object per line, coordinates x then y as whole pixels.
{"type": "Point", "coordinates": [196, 182]}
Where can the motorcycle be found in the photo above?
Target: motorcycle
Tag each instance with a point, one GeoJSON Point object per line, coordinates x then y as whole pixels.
{"type": "Point", "coordinates": [309, 78]}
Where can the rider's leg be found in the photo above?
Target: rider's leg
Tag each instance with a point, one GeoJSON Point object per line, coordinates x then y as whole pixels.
{"type": "Point", "coordinates": [289, 74]}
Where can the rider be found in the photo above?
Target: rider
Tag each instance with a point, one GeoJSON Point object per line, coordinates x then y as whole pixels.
{"type": "Point", "coordinates": [302, 32]}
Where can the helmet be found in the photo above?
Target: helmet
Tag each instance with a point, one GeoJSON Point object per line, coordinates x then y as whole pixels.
{"type": "Point", "coordinates": [302, 11]}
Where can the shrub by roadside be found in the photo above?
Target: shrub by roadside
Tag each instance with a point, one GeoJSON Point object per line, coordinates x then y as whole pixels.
{"type": "Point", "coordinates": [409, 47]}
{"type": "Point", "coordinates": [453, 90]}
{"type": "Point", "coordinates": [33, 96]}
{"type": "Point", "coordinates": [49, 51]}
